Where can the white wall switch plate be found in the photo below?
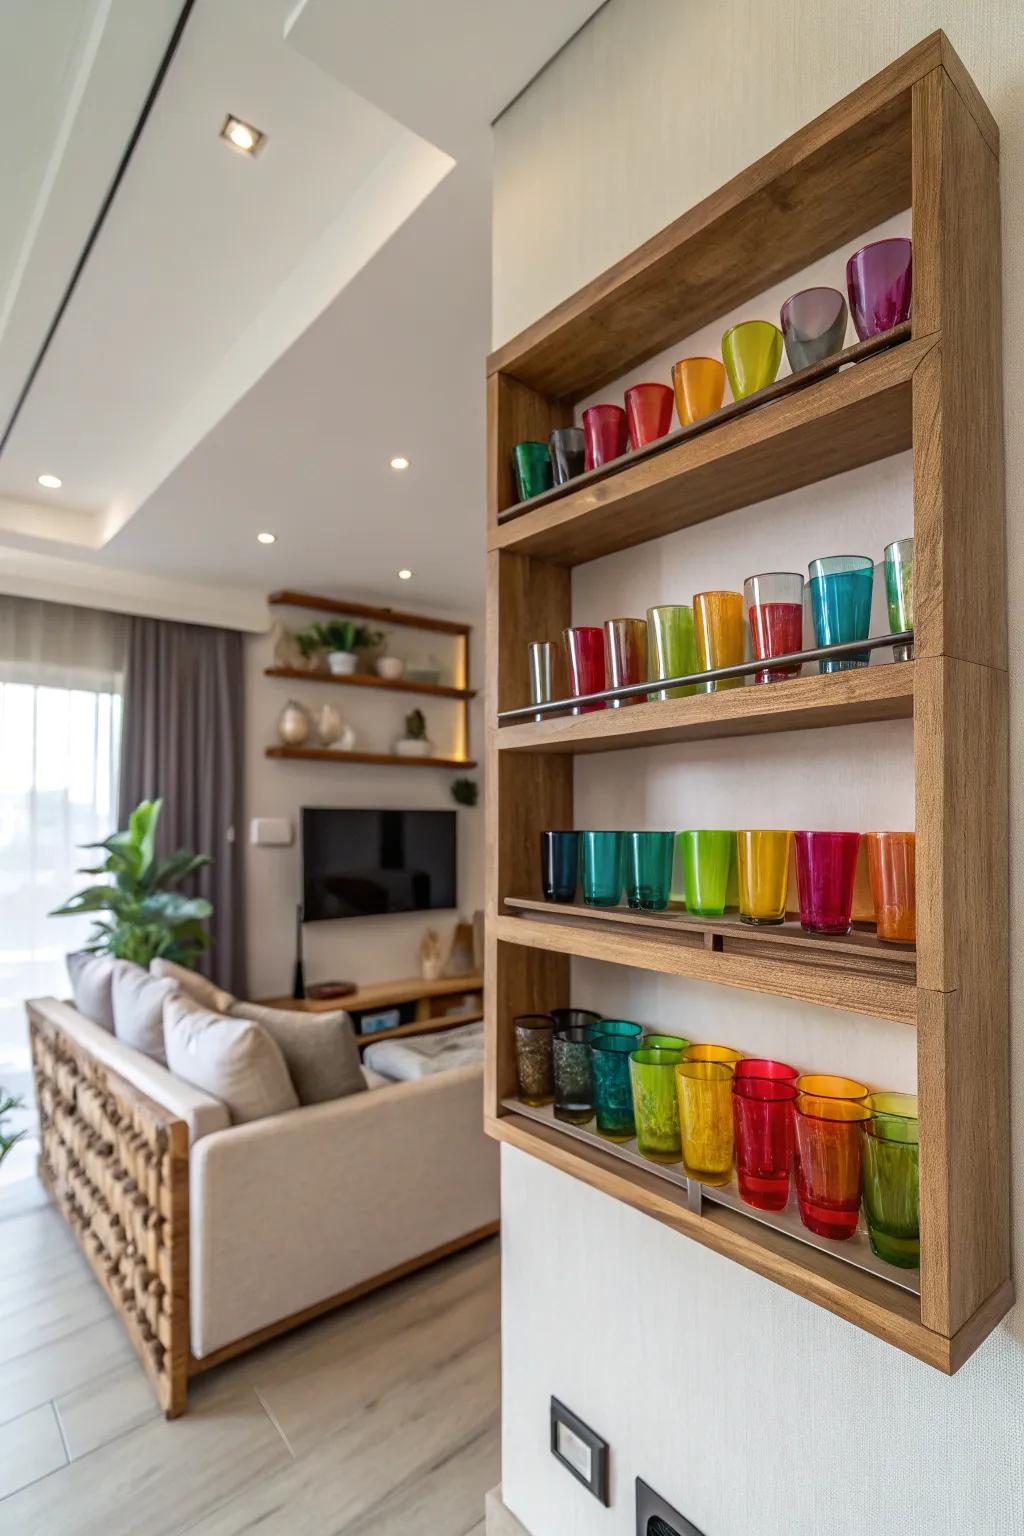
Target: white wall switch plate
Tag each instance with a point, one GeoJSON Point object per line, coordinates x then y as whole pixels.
{"type": "Point", "coordinates": [271, 832]}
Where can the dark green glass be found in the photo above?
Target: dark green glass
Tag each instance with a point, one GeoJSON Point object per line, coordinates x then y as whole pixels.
{"type": "Point", "coordinates": [647, 869]}
{"type": "Point", "coordinates": [890, 1186]}
{"type": "Point", "coordinates": [532, 464]}
{"type": "Point", "coordinates": [602, 868]}
{"type": "Point", "coordinates": [613, 1091]}
{"type": "Point", "coordinates": [623, 1027]}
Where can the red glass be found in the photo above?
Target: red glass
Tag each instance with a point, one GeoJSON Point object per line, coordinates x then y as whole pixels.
{"type": "Point", "coordinates": [828, 1166]}
{"type": "Point", "coordinates": [762, 1114]}
{"type": "Point", "coordinates": [604, 434]}
{"type": "Point", "coordinates": [826, 864]}
{"type": "Point", "coordinates": [760, 1066]}
{"type": "Point", "coordinates": [774, 604]}
{"type": "Point", "coordinates": [649, 409]}
{"type": "Point", "coordinates": [584, 653]}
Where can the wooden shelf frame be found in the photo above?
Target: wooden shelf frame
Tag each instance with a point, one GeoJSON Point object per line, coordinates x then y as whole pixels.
{"type": "Point", "coordinates": [917, 135]}
{"type": "Point", "coordinates": [377, 759]}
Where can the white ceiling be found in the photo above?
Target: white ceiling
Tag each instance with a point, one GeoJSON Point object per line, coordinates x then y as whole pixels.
{"type": "Point", "coordinates": [252, 340]}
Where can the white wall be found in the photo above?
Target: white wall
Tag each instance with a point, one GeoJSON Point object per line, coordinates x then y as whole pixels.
{"type": "Point", "coordinates": [752, 1410]}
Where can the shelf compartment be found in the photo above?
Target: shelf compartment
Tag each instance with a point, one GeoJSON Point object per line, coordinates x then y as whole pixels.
{"type": "Point", "coordinates": [884, 692]}
{"type": "Point", "coordinates": [366, 680]}
{"type": "Point", "coordinates": [378, 759]}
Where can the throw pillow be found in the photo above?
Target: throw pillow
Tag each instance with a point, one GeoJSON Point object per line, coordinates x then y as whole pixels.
{"type": "Point", "coordinates": [319, 1048]}
{"type": "Point", "coordinates": [234, 1059]}
{"type": "Point", "coordinates": [91, 977]}
{"type": "Point", "coordinates": [138, 1006]}
{"type": "Point", "coordinates": [193, 985]}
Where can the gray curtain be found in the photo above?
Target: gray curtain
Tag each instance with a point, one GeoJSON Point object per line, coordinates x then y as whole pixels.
{"type": "Point", "coordinates": [183, 742]}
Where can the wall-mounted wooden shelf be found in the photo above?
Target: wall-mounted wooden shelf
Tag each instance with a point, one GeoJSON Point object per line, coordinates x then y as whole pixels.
{"type": "Point", "coordinates": [401, 618]}
{"type": "Point", "coordinates": [918, 135]}
{"type": "Point", "coordinates": [365, 680]}
{"type": "Point", "coordinates": [379, 759]}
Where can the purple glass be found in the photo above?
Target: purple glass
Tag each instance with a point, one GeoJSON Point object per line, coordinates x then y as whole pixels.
{"type": "Point", "coordinates": [813, 326]}
{"type": "Point", "coordinates": [879, 282]}
{"type": "Point", "coordinates": [826, 866]}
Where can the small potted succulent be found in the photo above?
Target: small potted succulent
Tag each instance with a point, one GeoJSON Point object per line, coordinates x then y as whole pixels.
{"type": "Point", "coordinates": [414, 743]}
{"type": "Point", "coordinates": [340, 639]}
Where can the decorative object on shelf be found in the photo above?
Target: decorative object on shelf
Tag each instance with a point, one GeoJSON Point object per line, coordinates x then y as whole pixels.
{"type": "Point", "coordinates": [602, 868]}
{"type": "Point", "coordinates": [465, 791]}
{"type": "Point", "coordinates": [559, 865]}
{"type": "Point", "coordinates": [331, 727]}
{"type": "Point", "coordinates": [327, 991]}
{"type": "Point", "coordinates": [584, 654]}
{"type": "Point", "coordinates": [704, 1089]}
{"type": "Point", "coordinates": [430, 955]}
{"type": "Point", "coordinates": [542, 664]}
{"type": "Point", "coordinates": [828, 1164]}
{"type": "Point", "coordinates": [762, 859]}
{"type": "Point", "coordinates": [826, 867]}
{"type": "Point", "coordinates": [568, 454]}
{"type": "Point", "coordinates": [707, 862]}
{"type": "Point", "coordinates": [761, 1066]}
{"type": "Point", "coordinates": [532, 465]}
{"type": "Point", "coordinates": [311, 648]}
{"type": "Point", "coordinates": [775, 611]}
{"type": "Point", "coordinates": [415, 742]}
{"type": "Point", "coordinates": [879, 279]}
{"type": "Point", "coordinates": [604, 432]}
{"type": "Point", "coordinates": [652, 1076]}
{"type": "Point", "coordinates": [625, 654]}
{"type": "Point", "coordinates": [417, 672]}
{"type": "Point", "coordinates": [899, 593]}
{"type": "Point", "coordinates": [890, 1185]}
{"type": "Point", "coordinates": [829, 1085]}
{"type": "Point", "coordinates": [533, 1034]}
{"type": "Point", "coordinates": [813, 326]}
{"type": "Point", "coordinates": [389, 667]}
{"type": "Point", "coordinates": [699, 384]}
{"type": "Point", "coordinates": [293, 724]}
{"type": "Point", "coordinates": [841, 588]}
{"type": "Point", "coordinates": [460, 954]}
{"type": "Point", "coordinates": [752, 352]}
{"type": "Point", "coordinates": [573, 1076]}
{"type": "Point", "coordinates": [289, 653]}
{"type": "Point", "coordinates": [648, 413]}
{"type": "Point", "coordinates": [891, 858]}
{"type": "Point", "coordinates": [723, 1055]}
{"type": "Point", "coordinates": [341, 639]}
{"type": "Point", "coordinates": [718, 631]}
{"type": "Point", "coordinates": [671, 648]}
{"type": "Point", "coordinates": [762, 1110]}
{"type": "Point", "coordinates": [613, 1091]}
{"type": "Point", "coordinates": [647, 869]}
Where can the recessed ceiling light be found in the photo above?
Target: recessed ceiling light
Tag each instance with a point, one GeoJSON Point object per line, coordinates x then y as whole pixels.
{"type": "Point", "coordinates": [399, 463]}
{"type": "Point", "coordinates": [404, 575]}
{"type": "Point", "coordinates": [51, 482]}
{"type": "Point", "coordinates": [242, 136]}
{"type": "Point", "coordinates": [266, 538]}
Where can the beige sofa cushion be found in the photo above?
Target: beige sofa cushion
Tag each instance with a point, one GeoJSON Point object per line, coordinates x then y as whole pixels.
{"type": "Point", "coordinates": [91, 978]}
{"type": "Point", "coordinates": [234, 1059]}
{"type": "Point", "coordinates": [319, 1049]}
{"type": "Point", "coordinates": [137, 1000]}
{"type": "Point", "coordinates": [193, 985]}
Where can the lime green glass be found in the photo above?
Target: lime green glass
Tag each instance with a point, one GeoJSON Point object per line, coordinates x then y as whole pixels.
{"type": "Point", "coordinates": [751, 352]}
{"type": "Point", "coordinates": [707, 862]}
{"type": "Point", "coordinates": [890, 1187]}
{"type": "Point", "coordinates": [892, 1106]}
{"type": "Point", "coordinates": [655, 1106]}
{"type": "Point", "coordinates": [602, 868]}
{"type": "Point", "coordinates": [899, 593]}
{"type": "Point", "coordinates": [671, 648]}
{"type": "Point", "coordinates": [667, 1043]}
{"type": "Point", "coordinates": [647, 860]}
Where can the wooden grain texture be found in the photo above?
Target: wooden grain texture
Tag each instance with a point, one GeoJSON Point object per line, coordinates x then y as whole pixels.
{"type": "Point", "coordinates": [377, 759]}
{"type": "Point", "coordinates": [381, 994]}
{"type": "Point", "coordinates": [515, 414]}
{"type": "Point", "coordinates": [369, 680]}
{"type": "Point", "coordinates": [339, 605]}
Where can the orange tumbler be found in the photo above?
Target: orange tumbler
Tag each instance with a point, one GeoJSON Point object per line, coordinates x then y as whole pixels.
{"type": "Point", "coordinates": [891, 873]}
{"type": "Point", "coordinates": [699, 384]}
{"type": "Point", "coordinates": [718, 628]}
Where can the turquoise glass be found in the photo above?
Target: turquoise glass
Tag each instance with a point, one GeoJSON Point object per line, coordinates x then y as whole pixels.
{"type": "Point", "coordinates": [625, 1029]}
{"type": "Point", "coordinates": [899, 593]}
{"type": "Point", "coordinates": [707, 863]}
{"type": "Point", "coordinates": [602, 868]}
{"type": "Point", "coordinates": [890, 1187]}
{"type": "Point", "coordinates": [613, 1091]}
{"type": "Point", "coordinates": [647, 869]}
{"type": "Point", "coordinates": [840, 589]}
{"type": "Point", "coordinates": [671, 648]}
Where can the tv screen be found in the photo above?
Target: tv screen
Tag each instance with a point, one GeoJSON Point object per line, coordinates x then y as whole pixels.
{"type": "Point", "coordinates": [364, 863]}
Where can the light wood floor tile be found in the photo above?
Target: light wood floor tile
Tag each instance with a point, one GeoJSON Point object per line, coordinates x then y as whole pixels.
{"type": "Point", "coordinates": [446, 1497]}
{"type": "Point", "coordinates": [35, 1238]}
{"type": "Point", "coordinates": [30, 1447]}
{"type": "Point", "coordinates": [60, 1367]}
{"type": "Point", "coordinates": [20, 1285]}
{"type": "Point", "coordinates": [106, 1407]}
{"type": "Point", "coordinates": [51, 1312]}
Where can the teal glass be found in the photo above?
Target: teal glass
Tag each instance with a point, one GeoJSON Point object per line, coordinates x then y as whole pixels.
{"type": "Point", "coordinates": [671, 648]}
{"type": "Point", "coordinates": [647, 869]}
{"type": "Point", "coordinates": [613, 1090]}
{"type": "Point", "coordinates": [899, 593]}
{"type": "Point", "coordinates": [602, 868]}
{"type": "Point", "coordinates": [625, 1029]}
{"type": "Point", "coordinates": [532, 465]}
{"type": "Point", "coordinates": [889, 1170]}
{"type": "Point", "coordinates": [840, 589]}
{"type": "Point", "coordinates": [707, 862]}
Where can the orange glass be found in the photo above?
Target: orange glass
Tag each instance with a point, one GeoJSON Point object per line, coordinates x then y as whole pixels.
{"type": "Point", "coordinates": [891, 872]}
{"type": "Point", "coordinates": [699, 383]}
{"type": "Point", "coordinates": [828, 1164]}
{"type": "Point", "coordinates": [724, 1054]}
{"type": "Point", "coordinates": [825, 1085]}
{"type": "Point", "coordinates": [718, 629]}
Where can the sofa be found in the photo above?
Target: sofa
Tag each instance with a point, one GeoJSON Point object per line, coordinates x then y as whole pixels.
{"type": "Point", "coordinates": [211, 1236]}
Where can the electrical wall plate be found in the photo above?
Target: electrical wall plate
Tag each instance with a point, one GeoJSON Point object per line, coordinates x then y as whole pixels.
{"type": "Point", "coordinates": [656, 1517]}
{"type": "Point", "coordinates": [580, 1450]}
{"type": "Point", "coordinates": [271, 832]}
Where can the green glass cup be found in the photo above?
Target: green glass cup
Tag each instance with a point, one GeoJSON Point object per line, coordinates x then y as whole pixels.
{"type": "Point", "coordinates": [652, 1075]}
{"type": "Point", "coordinates": [890, 1187]}
{"type": "Point", "coordinates": [671, 648]}
{"type": "Point", "coordinates": [625, 1029]}
{"type": "Point", "coordinates": [532, 465]}
{"type": "Point", "coordinates": [602, 868]}
{"type": "Point", "coordinates": [899, 593]}
{"type": "Point", "coordinates": [647, 869]}
{"type": "Point", "coordinates": [613, 1091]}
{"type": "Point", "coordinates": [707, 863]}
{"type": "Point", "coordinates": [666, 1043]}
{"type": "Point", "coordinates": [751, 352]}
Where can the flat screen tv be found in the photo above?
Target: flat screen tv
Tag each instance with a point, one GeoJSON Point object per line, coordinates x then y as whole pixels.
{"type": "Point", "coordinates": [365, 863]}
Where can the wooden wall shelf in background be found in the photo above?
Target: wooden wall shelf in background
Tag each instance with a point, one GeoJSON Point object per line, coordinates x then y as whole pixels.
{"type": "Point", "coordinates": [379, 759]}
{"type": "Point", "coordinates": [916, 136]}
{"type": "Point", "coordinates": [368, 680]}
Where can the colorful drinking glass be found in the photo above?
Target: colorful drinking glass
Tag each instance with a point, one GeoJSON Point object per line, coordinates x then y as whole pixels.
{"type": "Point", "coordinates": [763, 866]}
{"type": "Point", "coordinates": [828, 1164]}
{"type": "Point", "coordinates": [892, 1106]}
{"type": "Point", "coordinates": [568, 454]}
{"type": "Point", "coordinates": [890, 1173]}
{"type": "Point", "coordinates": [625, 653]}
{"type": "Point", "coordinates": [604, 432]}
{"type": "Point", "coordinates": [724, 1055]}
{"type": "Point", "coordinates": [648, 412]}
{"type": "Point", "coordinates": [699, 384]}
{"type": "Point", "coordinates": [574, 1018]}
{"type": "Point", "coordinates": [707, 862]}
{"type": "Point", "coordinates": [879, 280]}
{"type": "Point", "coordinates": [666, 1043]}
{"type": "Point", "coordinates": [573, 1076]}
{"type": "Point", "coordinates": [826, 866]}
{"type": "Point", "coordinates": [533, 1034]}
{"type": "Point", "coordinates": [813, 326]}
{"type": "Point", "coordinates": [655, 1104]}
{"type": "Point", "coordinates": [762, 1111]}
{"type": "Point", "coordinates": [613, 1090]}
{"type": "Point", "coordinates": [542, 666]}
{"type": "Point", "coordinates": [828, 1085]}
{"type": "Point", "coordinates": [718, 631]}
{"type": "Point", "coordinates": [752, 352]}
{"type": "Point", "coordinates": [647, 869]}
{"type": "Point", "coordinates": [602, 868]}
{"type": "Point", "coordinates": [625, 1029]}
{"type": "Point", "coordinates": [775, 611]}
{"type": "Point", "coordinates": [671, 648]}
{"type": "Point", "coordinates": [891, 873]}
{"type": "Point", "coordinates": [559, 865]}
{"type": "Point", "coordinates": [584, 654]}
{"type": "Point", "coordinates": [763, 1066]}
{"type": "Point", "coordinates": [899, 593]}
{"type": "Point", "coordinates": [705, 1119]}
{"type": "Point", "coordinates": [841, 588]}
{"type": "Point", "coordinates": [532, 464]}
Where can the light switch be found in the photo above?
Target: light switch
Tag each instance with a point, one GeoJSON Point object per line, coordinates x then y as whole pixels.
{"type": "Point", "coordinates": [580, 1450]}
{"type": "Point", "coordinates": [271, 832]}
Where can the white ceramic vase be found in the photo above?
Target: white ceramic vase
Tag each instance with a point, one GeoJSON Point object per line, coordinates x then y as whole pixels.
{"type": "Point", "coordinates": [341, 663]}
{"type": "Point", "coordinates": [390, 667]}
{"type": "Point", "coordinates": [293, 724]}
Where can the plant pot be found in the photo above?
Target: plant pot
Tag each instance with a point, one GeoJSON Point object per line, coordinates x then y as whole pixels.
{"type": "Point", "coordinates": [390, 667]}
{"type": "Point", "coordinates": [341, 663]}
{"type": "Point", "coordinates": [409, 746]}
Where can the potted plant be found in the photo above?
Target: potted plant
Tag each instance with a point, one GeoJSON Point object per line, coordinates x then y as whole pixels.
{"type": "Point", "coordinates": [414, 743]}
{"type": "Point", "coordinates": [341, 639]}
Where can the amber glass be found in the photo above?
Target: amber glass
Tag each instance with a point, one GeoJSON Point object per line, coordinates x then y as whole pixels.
{"type": "Point", "coordinates": [891, 872]}
{"type": "Point", "coordinates": [718, 629]}
{"type": "Point", "coordinates": [724, 1055]}
{"type": "Point", "coordinates": [699, 383]}
{"type": "Point", "coordinates": [826, 1085]}
{"type": "Point", "coordinates": [655, 1105]}
{"type": "Point", "coordinates": [705, 1119]}
{"type": "Point", "coordinates": [534, 1033]}
{"type": "Point", "coordinates": [625, 657]}
{"type": "Point", "coordinates": [763, 864]}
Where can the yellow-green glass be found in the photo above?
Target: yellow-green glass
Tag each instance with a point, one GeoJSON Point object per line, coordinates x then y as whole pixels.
{"type": "Point", "coordinates": [655, 1105]}
{"type": "Point", "coordinates": [751, 352]}
{"type": "Point", "coordinates": [890, 1187]}
{"type": "Point", "coordinates": [899, 592]}
{"type": "Point", "coordinates": [892, 1106]}
{"type": "Point", "coordinates": [671, 648]}
{"type": "Point", "coordinates": [666, 1043]}
{"type": "Point", "coordinates": [707, 860]}
{"type": "Point", "coordinates": [704, 1089]}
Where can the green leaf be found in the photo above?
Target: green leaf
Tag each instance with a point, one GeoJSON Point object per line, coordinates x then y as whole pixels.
{"type": "Point", "coordinates": [173, 907]}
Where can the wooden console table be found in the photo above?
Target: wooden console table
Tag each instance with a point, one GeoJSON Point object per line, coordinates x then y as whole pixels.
{"type": "Point", "coordinates": [428, 996]}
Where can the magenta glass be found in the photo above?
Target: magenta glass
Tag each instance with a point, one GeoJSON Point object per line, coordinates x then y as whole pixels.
{"type": "Point", "coordinates": [649, 412]}
{"type": "Point", "coordinates": [762, 1117]}
{"type": "Point", "coordinates": [775, 612]}
{"type": "Point", "coordinates": [879, 278]}
{"type": "Point", "coordinates": [584, 654]}
{"type": "Point", "coordinates": [604, 435]}
{"type": "Point", "coordinates": [826, 864]}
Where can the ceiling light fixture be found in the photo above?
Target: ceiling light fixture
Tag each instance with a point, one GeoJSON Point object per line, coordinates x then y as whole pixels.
{"type": "Point", "coordinates": [399, 463]}
{"type": "Point", "coordinates": [51, 482]}
{"type": "Point", "coordinates": [242, 136]}
{"type": "Point", "coordinates": [404, 575]}
{"type": "Point", "coordinates": [266, 538]}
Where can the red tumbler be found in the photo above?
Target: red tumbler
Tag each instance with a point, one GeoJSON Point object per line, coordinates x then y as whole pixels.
{"type": "Point", "coordinates": [584, 653]}
{"type": "Point", "coordinates": [649, 409]}
{"type": "Point", "coordinates": [762, 1113]}
{"type": "Point", "coordinates": [604, 433]}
